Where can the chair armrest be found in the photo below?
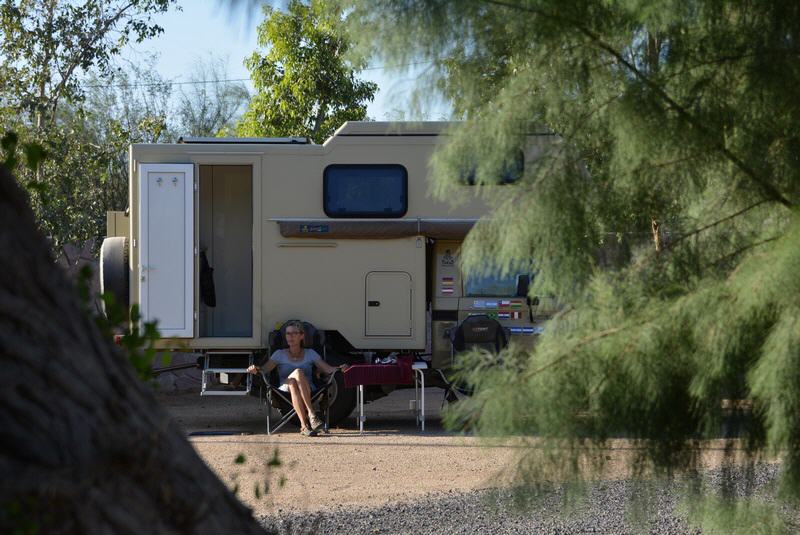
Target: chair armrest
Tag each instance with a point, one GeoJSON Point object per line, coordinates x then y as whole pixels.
{"type": "Point", "coordinates": [331, 377]}
{"type": "Point", "coordinates": [267, 382]}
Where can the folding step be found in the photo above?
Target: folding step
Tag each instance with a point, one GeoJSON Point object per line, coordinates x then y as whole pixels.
{"type": "Point", "coordinates": [224, 363]}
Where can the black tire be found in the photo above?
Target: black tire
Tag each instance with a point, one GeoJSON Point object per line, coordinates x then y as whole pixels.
{"type": "Point", "coordinates": [114, 273]}
{"type": "Point", "coordinates": [343, 400]}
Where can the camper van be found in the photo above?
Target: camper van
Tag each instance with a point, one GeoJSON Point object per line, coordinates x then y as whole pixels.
{"type": "Point", "coordinates": [226, 239]}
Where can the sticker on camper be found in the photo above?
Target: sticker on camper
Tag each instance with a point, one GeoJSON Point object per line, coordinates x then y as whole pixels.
{"type": "Point", "coordinates": [448, 259]}
{"type": "Point", "coordinates": [448, 284]}
{"type": "Point", "coordinates": [527, 331]}
{"type": "Point", "coordinates": [479, 304]}
{"type": "Point", "coordinates": [308, 229]}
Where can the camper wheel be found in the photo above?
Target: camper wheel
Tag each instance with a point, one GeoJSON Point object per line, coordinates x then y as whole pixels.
{"type": "Point", "coordinates": [114, 269]}
{"type": "Point", "coordinates": [343, 400]}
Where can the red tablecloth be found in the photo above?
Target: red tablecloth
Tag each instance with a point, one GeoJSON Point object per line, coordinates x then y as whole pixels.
{"type": "Point", "coordinates": [379, 374]}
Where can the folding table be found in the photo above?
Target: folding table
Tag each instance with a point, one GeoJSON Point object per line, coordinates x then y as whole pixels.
{"type": "Point", "coordinates": [405, 371]}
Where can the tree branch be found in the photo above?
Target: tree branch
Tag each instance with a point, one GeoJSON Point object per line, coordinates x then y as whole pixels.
{"type": "Point", "coordinates": [743, 249]}
{"type": "Point", "coordinates": [100, 33]}
{"type": "Point", "coordinates": [769, 190]}
{"type": "Point", "coordinates": [715, 223]}
{"type": "Point", "coordinates": [582, 342]}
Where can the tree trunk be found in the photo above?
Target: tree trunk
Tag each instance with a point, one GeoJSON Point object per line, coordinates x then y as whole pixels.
{"type": "Point", "coordinates": [84, 446]}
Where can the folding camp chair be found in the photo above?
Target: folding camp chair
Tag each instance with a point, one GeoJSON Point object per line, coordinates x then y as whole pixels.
{"type": "Point", "coordinates": [281, 400]}
{"type": "Point", "coordinates": [477, 331]}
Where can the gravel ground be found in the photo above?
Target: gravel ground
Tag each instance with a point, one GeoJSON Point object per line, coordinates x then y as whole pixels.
{"type": "Point", "coordinates": [394, 479]}
{"type": "Point", "coordinates": [605, 511]}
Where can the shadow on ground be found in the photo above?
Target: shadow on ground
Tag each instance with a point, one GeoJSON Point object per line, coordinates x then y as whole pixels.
{"type": "Point", "coordinates": [246, 415]}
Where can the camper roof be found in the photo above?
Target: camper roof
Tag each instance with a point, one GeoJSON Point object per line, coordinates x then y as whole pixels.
{"type": "Point", "coordinates": [385, 128]}
{"type": "Point", "coordinates": [247, 140]}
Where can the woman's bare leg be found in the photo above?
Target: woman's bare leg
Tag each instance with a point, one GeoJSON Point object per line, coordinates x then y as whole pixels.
{"type": "Point", "coordinates": [297, 401]}
{"type": "Point", "coordinates": [305, 389]}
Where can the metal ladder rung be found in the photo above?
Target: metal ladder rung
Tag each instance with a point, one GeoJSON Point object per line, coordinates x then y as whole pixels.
{"type": "Point", "coordinates": [207, 370]}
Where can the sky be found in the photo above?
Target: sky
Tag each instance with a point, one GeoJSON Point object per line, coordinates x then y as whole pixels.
{"type": "Point", "coordinates": [208, 28]}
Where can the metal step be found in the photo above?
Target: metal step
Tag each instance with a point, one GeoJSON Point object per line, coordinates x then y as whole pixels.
{"type": "Point", "coordinates": [227, 358]}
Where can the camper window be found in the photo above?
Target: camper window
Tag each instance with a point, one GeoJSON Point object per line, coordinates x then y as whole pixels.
{"type": "Point", "coordinates": [496, 285]}
{"type": "Point", "coordinates": [511, 174]}
{"type": "Point", "coordinates": [365, 190]}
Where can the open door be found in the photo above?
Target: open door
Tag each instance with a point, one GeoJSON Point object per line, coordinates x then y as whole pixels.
{"type": "Point", "coordinates": [166, 247]}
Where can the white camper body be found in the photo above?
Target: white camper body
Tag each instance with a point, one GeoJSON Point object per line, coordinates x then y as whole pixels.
{"type": "Point", "coordinates": [343, 235]}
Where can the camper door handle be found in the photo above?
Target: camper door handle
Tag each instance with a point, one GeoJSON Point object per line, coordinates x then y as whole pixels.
{"type": "Point", "coordinates": [373, 303]}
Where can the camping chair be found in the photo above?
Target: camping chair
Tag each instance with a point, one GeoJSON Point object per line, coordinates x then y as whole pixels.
{"type": "Point", "coordinates": [276, 398]}
{"type": "Point", "coordinates": [477, 331]}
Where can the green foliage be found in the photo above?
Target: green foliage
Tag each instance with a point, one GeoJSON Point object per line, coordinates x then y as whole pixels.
{"type": "Point", "coordinates": [137, 340]}
{"type": "Point", "coordinates": [82, 177]}
{"type": "Point", "coordinates": [260, 488]}
{"type": "Point", "coordinates": [32, 152]}
{"type": "Point", "coordinates": [45, 45]}
{"type": "Point", "coordinates": [659, 202]}
{"type": "Point", "coordinates": [305, 84]}
{"type": "Point", "coordinates": [48, 51]}
{"type": "Point", "coordinates": [64, 92]}
{"type": "Point", "coordinates": [722, 517]}
{"type": "Point", "coordinates": [18, 516]}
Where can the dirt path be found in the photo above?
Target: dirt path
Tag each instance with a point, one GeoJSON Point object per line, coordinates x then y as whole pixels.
{"type": "Point", "coordinates": [391, 462]}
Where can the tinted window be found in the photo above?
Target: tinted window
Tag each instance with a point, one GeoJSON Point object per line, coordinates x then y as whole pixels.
{"type": "Point", "coordinates": [491, 286]}
{"type": "Point", "coordinates": [365, 191]}
{"type": "Point", "coordinates": [497, 286]}
{"type": "Point", "coordinates": [510, 175]}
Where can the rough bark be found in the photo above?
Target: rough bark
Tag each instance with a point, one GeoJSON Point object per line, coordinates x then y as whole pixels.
{"type": "Point", "coordinates": [84, 446]}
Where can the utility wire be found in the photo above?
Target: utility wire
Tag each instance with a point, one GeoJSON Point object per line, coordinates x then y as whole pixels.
{"type": "Point", "coordinates": [150, 84]}
{"type": "Point", "coordinates": [227, 80]}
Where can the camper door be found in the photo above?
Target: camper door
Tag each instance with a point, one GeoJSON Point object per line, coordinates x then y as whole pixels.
{"type": "Point", "coordinates": [166, 247]}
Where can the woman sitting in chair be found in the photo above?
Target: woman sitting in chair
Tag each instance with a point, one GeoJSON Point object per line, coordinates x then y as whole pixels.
{"type": "Point", "coordinates": [294, 370]}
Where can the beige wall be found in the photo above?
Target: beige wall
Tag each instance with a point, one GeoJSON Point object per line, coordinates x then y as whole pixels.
{"type": "Point", "coordinates": [117, 224]}
{"type": "Point", "coordinates": [321, 281]}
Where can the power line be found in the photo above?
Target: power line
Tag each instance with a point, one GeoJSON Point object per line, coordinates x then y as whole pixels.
{"type": "Point", "coordinates": [229, 80]}
{"type": "Point", "coordinates": [151, 84]}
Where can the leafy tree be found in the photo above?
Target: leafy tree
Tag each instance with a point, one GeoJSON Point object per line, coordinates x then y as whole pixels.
{"type": "Point", "coordinates": [48, 51]}
{"type": "Point", "coordinates": [660, 204]}
{"type": "Point", "coordinates": [45, 46]}
{"type": "Point", "coordinates": [86, 173]}
{"type": "Point", "coordinates": [210, 107]}
{"type": "Point", "coordinates": [305, 84]}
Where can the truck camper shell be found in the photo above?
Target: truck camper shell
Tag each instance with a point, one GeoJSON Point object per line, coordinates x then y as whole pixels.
{"type": "Point", "coordinates": [343, 235]}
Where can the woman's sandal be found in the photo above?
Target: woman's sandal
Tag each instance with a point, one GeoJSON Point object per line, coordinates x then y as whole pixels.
{"type": "Point", "coordinates": [316, 424]}
{"type": "Point", "coordinates": [306, 432]}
